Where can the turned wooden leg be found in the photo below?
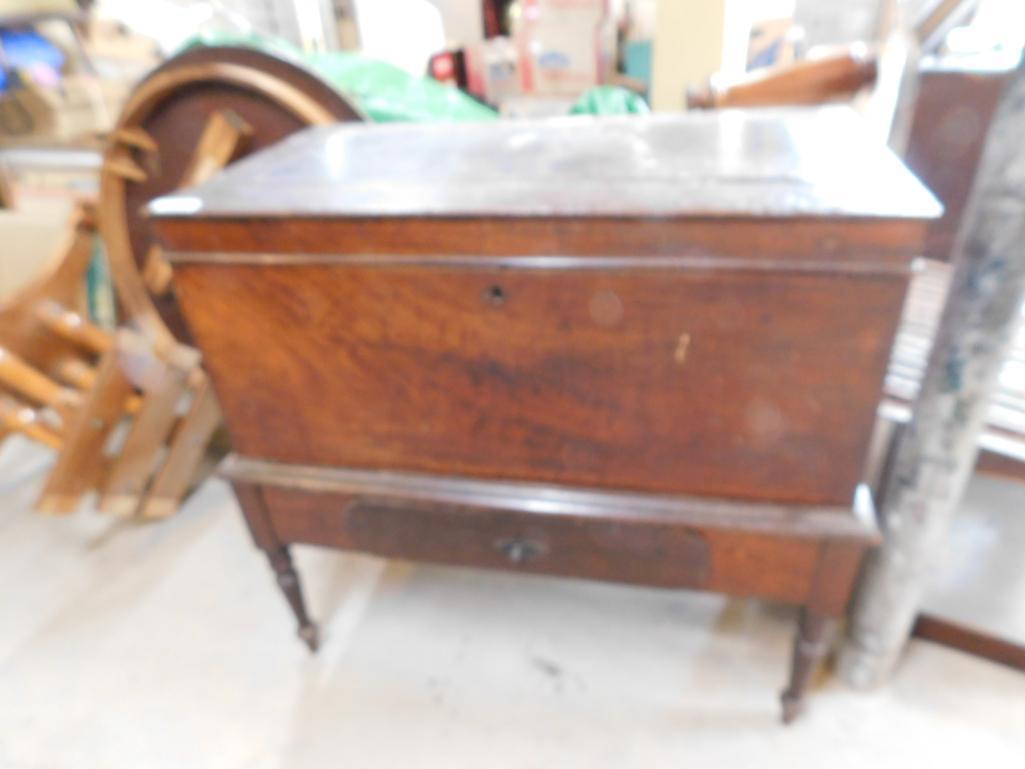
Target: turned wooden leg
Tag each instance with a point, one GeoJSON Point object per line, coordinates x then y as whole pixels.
{"type": "Point", "coordinates": [288, 581]}
{"type": "Point", "coordinates": [258, 519]}
{"type": "Point", "coordinates": [814, 634]}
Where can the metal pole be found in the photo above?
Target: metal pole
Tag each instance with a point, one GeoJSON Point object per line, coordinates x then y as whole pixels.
{"type": "Point", "coordinates": [934, 457]}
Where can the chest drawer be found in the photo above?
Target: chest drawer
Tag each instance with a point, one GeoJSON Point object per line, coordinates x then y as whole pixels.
{"type": "Point", "coordinates": [648, 552]}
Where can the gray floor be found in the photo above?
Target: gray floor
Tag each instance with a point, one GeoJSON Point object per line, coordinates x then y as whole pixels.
{"type": "Point", "coordinates": [165, 645]}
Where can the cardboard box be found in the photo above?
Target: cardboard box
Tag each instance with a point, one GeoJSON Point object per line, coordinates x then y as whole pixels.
{"type": "Point", "coordinates": [565, 46]}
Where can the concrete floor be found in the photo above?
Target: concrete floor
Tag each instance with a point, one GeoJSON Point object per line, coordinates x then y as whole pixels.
{"type": "Point", "coordinates": [127, 645]}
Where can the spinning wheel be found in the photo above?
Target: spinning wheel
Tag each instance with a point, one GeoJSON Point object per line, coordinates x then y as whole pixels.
{"type": "Point", "coordinates": [192, 116]}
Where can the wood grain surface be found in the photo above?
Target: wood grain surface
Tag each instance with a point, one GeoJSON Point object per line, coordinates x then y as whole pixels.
{"type": "Point", "coordinates": [727, 384]}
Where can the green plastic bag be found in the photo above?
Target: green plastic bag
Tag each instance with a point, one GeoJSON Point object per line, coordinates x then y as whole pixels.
{"type": "Point", "coordinates": [383, 92]}
{"type": "Point", "coordinates": [610, 100]}
{"type": "Point", "coordinates": [389, 94]}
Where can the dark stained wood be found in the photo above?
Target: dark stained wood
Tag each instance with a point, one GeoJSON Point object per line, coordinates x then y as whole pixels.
{"type": "Point", "coordinates": [774, 243]}
{"type": "Point", "coordinates": [970, 640]}
{"type": "Point", "coordinates": [1001, 465]}
{"type": "Point", "coordinates": [647, 351]}
{"type": "Point", "coordinates": [814, 635]}
{"type": "Point", "coordinates": [253, 502]}
{"type": "Point", "coordinates": [421, 369]}
{"type": "Point", "coordinates": [799, 521]}
{"type": "Point", "coordinates": [663, 554]}
{"type": "Point", "coordinates": [250, 497]}
{"type": "Point", "coordinates": [288, 581]}
{"type": "Point", "coordinates": [835, 575]}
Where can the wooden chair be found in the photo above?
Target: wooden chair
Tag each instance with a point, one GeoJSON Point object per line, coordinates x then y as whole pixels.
{"type": "Point", "coordinates": [126, 418]}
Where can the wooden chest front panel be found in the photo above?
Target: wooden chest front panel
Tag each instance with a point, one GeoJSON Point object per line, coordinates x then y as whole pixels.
{"type": "Point", "coordinates": [661, 554]}
{"type": "Point", "coordinates": [748, 384]}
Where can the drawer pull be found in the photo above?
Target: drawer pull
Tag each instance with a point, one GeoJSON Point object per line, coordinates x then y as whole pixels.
{"type": "Point", "coordinates": [520, 550]}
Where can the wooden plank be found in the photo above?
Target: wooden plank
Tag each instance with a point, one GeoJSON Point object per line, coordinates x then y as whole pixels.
{"type": "Point", "coordinates": [80, 464]}
{"type": "Point", "coordinates": [970, 641]}
{"type": "Point", "coordinates": [187, 449]}
{"type": "Point", "coordinates": [131, 470]}
{"type": "Point", "coordinates": [224, 137]}
{"type": "Point", "coordinates": [135, 137]}
{"type": "Point", "coordinates": [157, 272]}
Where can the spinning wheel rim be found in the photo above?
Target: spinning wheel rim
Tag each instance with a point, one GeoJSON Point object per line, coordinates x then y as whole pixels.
{"type": "Point", "coordinates": [160, 86]}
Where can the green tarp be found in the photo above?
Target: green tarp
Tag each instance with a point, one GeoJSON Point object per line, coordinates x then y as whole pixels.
{"type": "Point", "coordinates": [386, 93]}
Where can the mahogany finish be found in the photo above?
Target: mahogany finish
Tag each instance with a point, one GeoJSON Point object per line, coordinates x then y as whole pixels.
{"type": "Point", "coordinates": [646, 351]}
{"type": "Point", "coordinates": [655, 378]}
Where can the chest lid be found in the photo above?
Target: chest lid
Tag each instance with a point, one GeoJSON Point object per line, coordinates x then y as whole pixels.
{"type": "Point", "coordinates": [758, 163]}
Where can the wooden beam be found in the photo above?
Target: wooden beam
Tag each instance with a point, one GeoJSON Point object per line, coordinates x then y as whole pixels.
{"type": "Point", "coordinates": [188, 444]}
{"type": "Point", "coordinates": [970, 641]}
{"type": "Point", "coordinates": [224, 137]}
{"type": "Point", "coordinates": [130, 471]}
{"type": "Point", "coordinates": [164, 376]}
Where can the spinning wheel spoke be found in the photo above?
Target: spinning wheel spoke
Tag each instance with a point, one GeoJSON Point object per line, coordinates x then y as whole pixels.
{"type": "Point", "coordinates": [190, 118]}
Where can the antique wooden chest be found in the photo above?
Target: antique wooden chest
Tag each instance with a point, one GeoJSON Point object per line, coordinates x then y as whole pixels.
{"type": "Point", "coordinates": [647, 350]}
